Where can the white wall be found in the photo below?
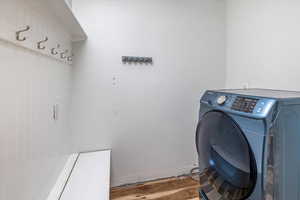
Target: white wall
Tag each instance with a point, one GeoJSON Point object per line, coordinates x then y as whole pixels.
{"type": "Point", "coordinates": [263, 44]}
{"type": "Point", "coordinates": [146, 114]}
{"type": "Point", "coordinates": [33, 147]}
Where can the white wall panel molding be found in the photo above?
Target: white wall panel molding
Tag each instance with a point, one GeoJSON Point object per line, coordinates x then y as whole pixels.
{"type": "Point", "coordinates": [33, 146]}
{"type": "Point", "coordinates": [31, 47]}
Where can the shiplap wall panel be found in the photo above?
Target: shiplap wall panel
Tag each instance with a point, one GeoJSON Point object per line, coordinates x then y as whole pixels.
{"type": "Point", "coordinates": [33, 147]}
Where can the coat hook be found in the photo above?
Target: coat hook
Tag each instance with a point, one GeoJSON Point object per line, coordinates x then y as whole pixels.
{"type": "Point", "coordinates": [21, 31]}
{"type": "Point", "coordinates": [63, 54]}
{"type": "Point", "coordinates": [70, 58]}
{"type": "Point", "coordinates": [40, 42]}
{"type": "Point", "coordinates": [53, 50]}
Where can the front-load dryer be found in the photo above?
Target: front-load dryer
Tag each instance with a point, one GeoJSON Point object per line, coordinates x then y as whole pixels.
{"type": "Point", "coordinates": [248, 142]}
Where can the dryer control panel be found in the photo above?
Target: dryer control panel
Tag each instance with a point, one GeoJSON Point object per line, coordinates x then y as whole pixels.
{"type": "Point", "coordinates": [244, 104]}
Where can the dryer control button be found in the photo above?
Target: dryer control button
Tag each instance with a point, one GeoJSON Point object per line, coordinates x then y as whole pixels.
{"type": "Point", "coordinates": [221, 100]}
{"type": "Point", "coordinates": [259, 110]}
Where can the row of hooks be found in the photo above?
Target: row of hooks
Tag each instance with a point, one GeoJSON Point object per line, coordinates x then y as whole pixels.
{"type": "Point", "coordinates": [40, 45]}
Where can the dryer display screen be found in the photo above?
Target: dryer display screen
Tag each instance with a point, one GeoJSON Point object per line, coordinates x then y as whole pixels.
{"type": "Point", "coordinates": [244, 104]}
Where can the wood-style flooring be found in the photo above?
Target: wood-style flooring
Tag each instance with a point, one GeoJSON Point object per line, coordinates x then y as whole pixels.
{"type": "Point", "coordinates": [182, 188]}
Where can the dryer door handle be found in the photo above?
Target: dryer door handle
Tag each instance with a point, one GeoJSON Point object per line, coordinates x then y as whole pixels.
{"type": "Point", "coordinates": [203, 195]}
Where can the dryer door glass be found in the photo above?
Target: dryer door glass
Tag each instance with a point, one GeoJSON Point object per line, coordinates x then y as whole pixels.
{"type": "Point", "coordinates": [226, 161]}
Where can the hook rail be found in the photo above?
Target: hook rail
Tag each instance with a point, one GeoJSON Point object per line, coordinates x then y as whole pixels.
{"type": "Point", "coordinates": [39, 46]}
{"type": "Point", "coordinates": [63, 54]}
{"type": "Point", "coordinates": [18, 33]}
{"type": "Point", "coordinates": [53, 50]}
{"type": "Point", "coordinates": [70, 58]}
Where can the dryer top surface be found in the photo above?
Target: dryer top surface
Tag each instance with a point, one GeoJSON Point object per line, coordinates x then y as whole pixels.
{"type": "Point", "coordinates": [266, 93]}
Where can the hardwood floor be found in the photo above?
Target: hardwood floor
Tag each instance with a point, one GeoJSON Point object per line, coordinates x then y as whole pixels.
{"type": "Point", "coordinates": [183, 188]}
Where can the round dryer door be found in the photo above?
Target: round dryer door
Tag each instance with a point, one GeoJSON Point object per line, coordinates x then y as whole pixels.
{"type": "Point", "coordinates": [226, 161]}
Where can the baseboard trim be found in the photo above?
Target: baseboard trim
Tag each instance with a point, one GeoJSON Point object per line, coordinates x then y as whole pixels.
{"type": "Point", "coordinates": [154, 175]}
